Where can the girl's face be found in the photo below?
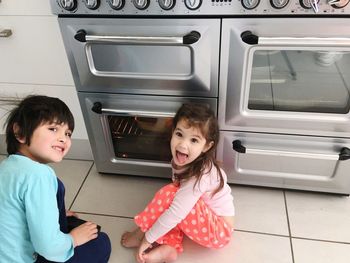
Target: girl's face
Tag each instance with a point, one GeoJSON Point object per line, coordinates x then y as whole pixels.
{"type": "Point", "coordinates": [49, 143]}
{"type": "Point", "coordinates": [187, 143]}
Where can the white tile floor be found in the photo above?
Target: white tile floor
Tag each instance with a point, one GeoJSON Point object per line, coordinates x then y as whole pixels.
{"type": "Point", "coordinates": [272, 225]}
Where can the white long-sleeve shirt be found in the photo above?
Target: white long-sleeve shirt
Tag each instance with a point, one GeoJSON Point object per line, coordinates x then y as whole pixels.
{"type": "Point", "coordinates": [187, 196]}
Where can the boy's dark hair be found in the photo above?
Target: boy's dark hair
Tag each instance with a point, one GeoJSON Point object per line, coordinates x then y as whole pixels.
{"type": "Point", "coordinates": [202, 117]}
{"type": "Point", "coordinates": [30, 113]}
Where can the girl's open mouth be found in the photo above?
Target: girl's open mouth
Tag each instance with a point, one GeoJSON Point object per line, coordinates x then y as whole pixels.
{"type": "Point", "coordinates": [181, 157]}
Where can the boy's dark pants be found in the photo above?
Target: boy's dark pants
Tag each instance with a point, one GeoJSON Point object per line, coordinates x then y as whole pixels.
{"type": "Point", "coordinates": [95, 251]}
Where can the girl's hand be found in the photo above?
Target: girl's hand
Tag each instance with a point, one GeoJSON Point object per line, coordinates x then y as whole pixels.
{"type": "Point", "coordinates": [140, 251]}
{"type": "Point", "coordinates": [84, 233]}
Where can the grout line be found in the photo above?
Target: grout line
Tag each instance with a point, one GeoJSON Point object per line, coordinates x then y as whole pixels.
{"type": "Point", "coordinates": [106, 215]}
{"type": "Point", "coordinates": [260, 233]}
{"type": "Point", "coordinates": [75, 197]}
{"type": "Point", "coordinates": [288, 223]}
{"type": "Point", "coordinates": [323, 240]}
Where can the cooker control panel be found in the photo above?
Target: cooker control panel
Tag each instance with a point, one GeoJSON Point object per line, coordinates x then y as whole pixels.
{"type": "Point", "coordinates": [212, 8]}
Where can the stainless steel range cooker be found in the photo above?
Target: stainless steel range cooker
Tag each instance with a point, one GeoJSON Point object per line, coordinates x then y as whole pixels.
{"type": "Point", "coordinates": [277, 73]}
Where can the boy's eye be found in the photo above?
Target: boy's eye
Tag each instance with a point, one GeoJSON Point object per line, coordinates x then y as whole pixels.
{"type": "Point", "coordinates": [53, 129]}
{"type": "Point", "coordinates": [69, 134]}
{"type": "Point", "coordinates": [179, 134]}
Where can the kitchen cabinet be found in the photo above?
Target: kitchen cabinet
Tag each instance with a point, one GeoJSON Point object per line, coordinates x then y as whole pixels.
{"type": "Point", "coordinates": [33, 61]}
{"type": "Point", "coordinates": [25, 7]}
{"type": "Point", "coordinates": [34, 53]}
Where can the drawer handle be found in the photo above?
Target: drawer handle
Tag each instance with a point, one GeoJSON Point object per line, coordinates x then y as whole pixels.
{"type": "Point", "coordinates": [6, 33]}
{"type": "Point", "coordinates": [238, 147]}
{"type": "Point", "coordinates": [251, 39]}
{"type": "Point", "coordinates": [342, 156]}
{"type": "Point", "coordinates": [187, 39]}
{"type": "Point", "coordinates": [98, 108]}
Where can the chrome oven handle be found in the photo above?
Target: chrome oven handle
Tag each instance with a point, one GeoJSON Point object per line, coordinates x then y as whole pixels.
{"type": "Point", "coordinates": [343, 155]}
{"type": "Point", "coordinates": [97, 108]}
{"type": "Point", "coordinates": [251, 39]}
{"type": "Point", "coordinates": [188, 39]}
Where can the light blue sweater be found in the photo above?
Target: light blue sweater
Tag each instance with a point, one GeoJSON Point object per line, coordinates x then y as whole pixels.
{"type": "Point", "coordinates": [29, 213]}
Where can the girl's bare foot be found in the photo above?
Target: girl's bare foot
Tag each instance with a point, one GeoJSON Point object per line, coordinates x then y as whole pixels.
{"type": "Point", "coordinates": [160, 254]}
{"type": "Point", "coordinates": [132, 239]}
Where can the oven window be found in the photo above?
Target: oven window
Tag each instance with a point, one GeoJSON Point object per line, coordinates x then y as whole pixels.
{"type": "Point", "coordinates": [142, 138]}
{"type": "Point", "coordinates": [146, 60]}
{"type": "Point", "coordinates": [300, 81]}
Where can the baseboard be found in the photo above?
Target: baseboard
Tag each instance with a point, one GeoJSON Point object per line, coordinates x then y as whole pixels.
{"type": "Point", "coordinates": [80, 150]}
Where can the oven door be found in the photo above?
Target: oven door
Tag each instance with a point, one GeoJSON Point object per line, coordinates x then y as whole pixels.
{"type": "Point", "coordinates": [285, 75]}
{"type": "Point", "coordinates": [286, 161]}
{"type": "Point", "coordinates": [143, 56]}
{"type": "Point", "coordinates": [130, 134]}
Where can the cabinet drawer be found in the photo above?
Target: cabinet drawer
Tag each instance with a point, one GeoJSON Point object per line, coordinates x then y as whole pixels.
{"type": "Point", "coordinates": [25, 7]}
{"type": "Point", "coordinates": [286, 161]}
{"type": "Point", "coordinates": [9, 93]}
{"type": "Point", "coordinates": [34, 53]}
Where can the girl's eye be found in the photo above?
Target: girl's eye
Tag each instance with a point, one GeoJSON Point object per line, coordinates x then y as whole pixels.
{"type": "Point", "coordinates": [68, 134]}
{"type": "Point", "coordinates": [194, 140]}
{"type": "Point", "coordinates": [53, 129]}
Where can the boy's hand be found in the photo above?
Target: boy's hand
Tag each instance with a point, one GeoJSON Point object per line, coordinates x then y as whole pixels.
{"type": "Point", "coordinates": [84, 233]}
{"type": "Point", "coordinates": [71, 213]}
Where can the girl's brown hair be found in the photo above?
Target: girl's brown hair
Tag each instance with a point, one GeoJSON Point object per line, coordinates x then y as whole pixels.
{"type": "Point", "coordinates": [203, 118]}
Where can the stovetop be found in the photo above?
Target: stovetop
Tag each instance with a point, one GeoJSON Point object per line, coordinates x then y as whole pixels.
{"type": "Point", "coordinates": [215, 8]}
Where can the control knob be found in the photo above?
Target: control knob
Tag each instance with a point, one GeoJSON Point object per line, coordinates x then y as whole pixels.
{"type": "Point", "coordinates": [250, 4]}
{"type": "Point", "coordinates": [193, 4]}
{"type": "Point", "coordinates": [68, 5]}
{"type": "Point", "coordinates": [308, 4]}
{"type": "Point", "coordinates": [166, 4]}
{"type": "Point", "coordinates": [116, 4]}
{"type": "Point", "coordinates": [279, 4]}
{"type": "Point", "coordinates": [141, 4]}
{"type": "Point", "coordinates": [92, 4]}
{"type": "Point", "coordinates": [338, 3]}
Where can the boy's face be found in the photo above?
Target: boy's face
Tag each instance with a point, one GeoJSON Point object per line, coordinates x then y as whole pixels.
{"type": "Point", "coordinates": [49, 143]}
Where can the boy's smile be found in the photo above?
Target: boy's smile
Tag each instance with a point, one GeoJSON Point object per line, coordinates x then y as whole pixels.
{"type": "Point", "coordinates": [50, 142]}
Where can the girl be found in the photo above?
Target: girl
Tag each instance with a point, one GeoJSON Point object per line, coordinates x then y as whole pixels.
{"type": "Point", "coordinates": [198, 203]}
{"type": "Point", "coordinates": [33, 222]}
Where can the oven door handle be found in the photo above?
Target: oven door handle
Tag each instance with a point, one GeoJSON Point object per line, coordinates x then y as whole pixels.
{"type": "Point", "coordinates": [187, 39]}
{"type": "Point", "coordinates": [97, 108]}
{"type": "Point", "coordinates": [343, 155]}
{"type": "Point", "coordinates": [251, 39]}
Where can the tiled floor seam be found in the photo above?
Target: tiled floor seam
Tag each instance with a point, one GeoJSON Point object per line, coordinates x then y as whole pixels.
{"type": "Point", "coordinates": [106, 215]}
{"type": "Point", "coordinates": [288, 224]}
{"type": "Point", "coordinates": [75, 197]}
{"type": "Point", "coordinates": [321, 240]}
{"type": "Point", "coordinates": [260, 233]}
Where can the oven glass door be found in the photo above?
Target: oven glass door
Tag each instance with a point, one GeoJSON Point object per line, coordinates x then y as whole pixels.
{"type": "Point", "coordinates": [300, 81]}
{"type": "Point", "coordinates": [285, 81]}
{"type": "Point", "coordinates": [144, 56]}
{"type": "Point", "coordinates": [143, 138]}
{"type": "Point", "coordinates": [130, 134]}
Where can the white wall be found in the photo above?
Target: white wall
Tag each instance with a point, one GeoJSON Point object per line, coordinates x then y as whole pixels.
{"type": "Point", "coordinates": [33, 61]}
